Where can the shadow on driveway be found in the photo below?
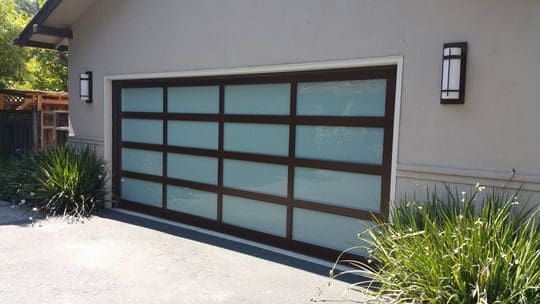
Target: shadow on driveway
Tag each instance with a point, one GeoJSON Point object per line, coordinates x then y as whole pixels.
{"type": "Point", "coordinates": [226, 244]}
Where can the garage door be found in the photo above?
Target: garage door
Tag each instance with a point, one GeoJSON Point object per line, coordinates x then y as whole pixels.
{"type": "Point", "coordinates": [299, 160]}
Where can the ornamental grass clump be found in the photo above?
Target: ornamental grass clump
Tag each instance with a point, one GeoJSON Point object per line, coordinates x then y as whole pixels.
{"type": "Point", "coordinates": [476, 248]}
{"type": "Point", "coordinates": [63, 180]}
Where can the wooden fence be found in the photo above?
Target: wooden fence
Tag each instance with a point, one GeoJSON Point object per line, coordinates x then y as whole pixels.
{"type": "Point", "coordinates": [31, 120]}
{"type": "Point", "coordinates": [19, 130]}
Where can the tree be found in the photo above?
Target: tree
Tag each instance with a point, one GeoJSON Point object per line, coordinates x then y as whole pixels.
{"type": "Point", "coordinates": [30, 7]}
{"type": "Point", "coordinates": [47, 70]}
{"type": "Point", "coordinates": [12, 58]}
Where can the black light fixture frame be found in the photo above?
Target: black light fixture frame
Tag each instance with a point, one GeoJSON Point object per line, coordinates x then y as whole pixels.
{"type": "Point", "coordinates": [89, 74]}
{"type": "Point", "coordinates": [463, 70]}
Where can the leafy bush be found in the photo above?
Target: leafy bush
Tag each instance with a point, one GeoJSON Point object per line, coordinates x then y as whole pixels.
{"type": "Point", "coordinates": [456, 250]}
{"type": "Point", "coordinates": [63, 180]}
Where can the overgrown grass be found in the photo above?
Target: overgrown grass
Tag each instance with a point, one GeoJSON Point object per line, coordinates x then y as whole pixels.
{"type": "Point", "coordinates": [456, 249]}
{"type": "Point", "coordinates": [62, 180]}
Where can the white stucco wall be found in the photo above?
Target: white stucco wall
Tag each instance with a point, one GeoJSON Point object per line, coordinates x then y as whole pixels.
{"type": "Point", "coordinates": [497, 128]}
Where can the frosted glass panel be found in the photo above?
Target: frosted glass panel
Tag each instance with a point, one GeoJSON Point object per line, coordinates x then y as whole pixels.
{"type": "Point", "coordinates": [142, 131]}
{"type": "Point", "coordinates": [142, 100]}
{"type": "Point", "coordinates": [328, 230]}
{"type": "Point", "coordinates": [258, 99]}
{"type": "Point", "coordinates": [256, 177]}
{"type": "Point", "coordinates": [196, 202]}
{"type": "Point", "coordinates": [193, 99]}
{"type": "Point", "coordinates": [349, 144]}
{"type": "Point", "coordinates": [147, 162]}
{"type": "Point", "coordinates": [194, 168]}
{"type": "Point", "coordinates": [353, 190]}
{"type": "Point", "coordinates": [255, 215]}
{"type": "Point", "coordinates": [342, 98]}
{"type": "Point", "coordinates": [144, 192]}
{"type": "Point", "coordinates": [257, 138]}
{"type": "Point", "coordinates": [193, 134]}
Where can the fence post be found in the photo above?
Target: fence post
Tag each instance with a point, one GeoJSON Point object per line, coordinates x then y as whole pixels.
{"type": "Point", "coordinates": [35, 130]}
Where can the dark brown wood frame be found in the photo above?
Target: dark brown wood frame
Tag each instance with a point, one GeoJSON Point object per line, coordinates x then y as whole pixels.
{"type": "Point", "coordinates": [384, 170]}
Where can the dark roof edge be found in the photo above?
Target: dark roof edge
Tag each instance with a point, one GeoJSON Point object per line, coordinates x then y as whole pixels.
{"type": "Point", "coordinates": [39, 18]}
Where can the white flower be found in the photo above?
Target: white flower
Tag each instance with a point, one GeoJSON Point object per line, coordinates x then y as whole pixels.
{"type": "Point", "coordinates": [32, 194]}
{"type": "Point", "coordinates": [34, 209]}
{"type": "Point", "coordinates": [23, 201]}
{"type": "Point", "coordinates": [478, 187]}
{"type": "Point", "coordinates": [30, 218]}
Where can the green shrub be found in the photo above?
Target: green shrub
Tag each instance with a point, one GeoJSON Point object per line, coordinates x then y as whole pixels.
{"type": "Point", "coordinates": [63, 180]}
{"type": "Point", "coordinates": [456, 250]}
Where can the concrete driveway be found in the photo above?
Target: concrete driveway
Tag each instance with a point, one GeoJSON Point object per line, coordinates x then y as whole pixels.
{"type": "Point", "coordinates": [121, 258]}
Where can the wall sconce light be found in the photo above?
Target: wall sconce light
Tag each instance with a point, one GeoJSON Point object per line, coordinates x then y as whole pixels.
{"type": "Point", "coordinates": [453, 73]}
{"type": "Point", "coordinates": [85, 86]}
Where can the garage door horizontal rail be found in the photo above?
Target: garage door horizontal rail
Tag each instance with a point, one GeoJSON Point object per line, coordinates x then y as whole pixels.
{"type": "Point", "coordinates": [365, 73]}
{"type": "Point", "coordinates": [264, 119]}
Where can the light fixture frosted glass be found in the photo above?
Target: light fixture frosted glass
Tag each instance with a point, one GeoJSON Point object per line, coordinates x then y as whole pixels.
{"type": "Point", "coordinates": [85, 86]}
{"type": "Point", "coordinates": [453, 73]}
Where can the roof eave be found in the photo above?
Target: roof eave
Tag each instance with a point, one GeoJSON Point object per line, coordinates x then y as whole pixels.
{"type": "Point", "coordinates": [35, 26]}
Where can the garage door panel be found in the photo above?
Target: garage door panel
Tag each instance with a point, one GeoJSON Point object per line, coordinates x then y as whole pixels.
{"type": "Point", "coordinates": [141, 161]}
{"type": "Point", "coordinates": [258, 99]}
{"type": "Point", "coordinates": [193, 100]}
{"type": "Point", "coordinates": [342, 98]}
{"type": "Point", "coordinates": [256, 215]}
{"type": "Point", "coordinates": [142, 100]}
{"type": "Point", "coordinates": [192, 201]}
{"type": "Point", "coordinates": [345, 144]}
{"type": "Point", "coordinates": [147, 131]}
{"type": "Point", "coordinates": [200, 169]}
{"type": "Point", "coordinates": [346, 189]}
{"type": "Point", "coordinates": [329, 230]}
{"type": "Point", "coordinates": [271, 139]}
{"type": "Point", "coordinates": [143, 192]}
{"type": "Point", "coordinates": [193, 134]}
{"type": "Point", "coordinates": [255, 177]}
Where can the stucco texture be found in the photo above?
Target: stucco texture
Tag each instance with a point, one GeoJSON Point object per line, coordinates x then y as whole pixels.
{"type": "Point", "coordinates": [497, 128]}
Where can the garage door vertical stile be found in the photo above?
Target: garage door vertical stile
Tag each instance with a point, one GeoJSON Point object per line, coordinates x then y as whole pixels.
{"type": "Point", "coordinates": [292, 145]}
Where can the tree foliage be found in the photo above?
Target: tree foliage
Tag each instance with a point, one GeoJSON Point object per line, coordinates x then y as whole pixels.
{"type": "Point", "coordinates": [27, 68]}
{"type": "Point", "coordinates": [12, 58]}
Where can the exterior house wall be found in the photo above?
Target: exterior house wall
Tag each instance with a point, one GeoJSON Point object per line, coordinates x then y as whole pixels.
{"type": "Point", "coordinates": [497, 128]}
